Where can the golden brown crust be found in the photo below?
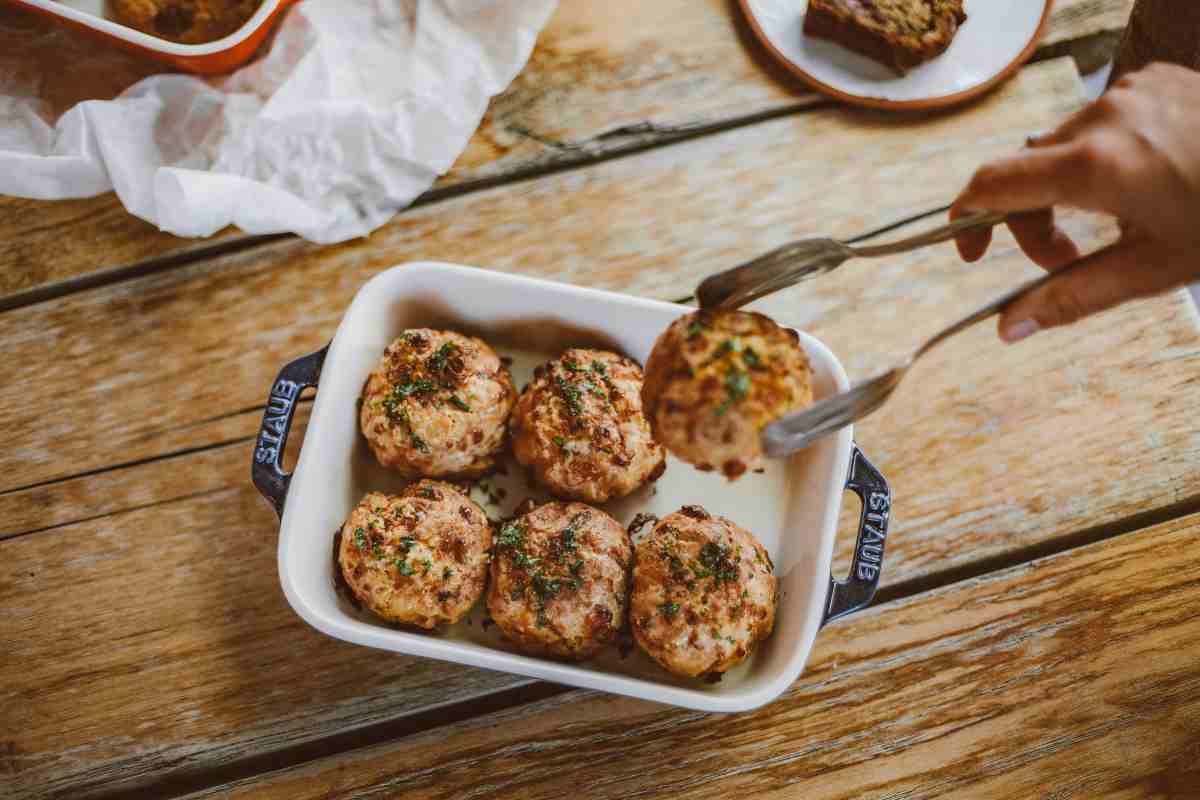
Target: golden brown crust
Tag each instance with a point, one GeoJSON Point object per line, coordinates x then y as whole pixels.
{"type": "Point", "coordinates": [579, 426]}
{"type": "Point", "coordinates": [437, 405]}
{"type": "Point", "coordinates": [185, 21]}
{"type": "Point", "coordinates": [704, 593]}
{"type": "Point", "coordinates": [715, 379]}
{"type": "Point", "coordinates": [419, 558]}
{"type": "Point", "coordinates": [900, 34]}
{"type": "Point", "coordinates": [560, 580]}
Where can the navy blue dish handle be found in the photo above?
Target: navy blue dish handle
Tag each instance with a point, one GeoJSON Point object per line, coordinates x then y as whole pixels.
{"type": "Point", "coordinates": [855, 592]}
{"type": "Point", "coordinates": [267, 468]}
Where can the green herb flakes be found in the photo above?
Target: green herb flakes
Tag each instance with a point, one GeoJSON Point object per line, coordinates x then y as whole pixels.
{"type": "Point", "coordinates": [571, 396]}
{"type": "Point", "coordinates": [512, 535]}
{"type": "Point", "coordinates": [737, 387]}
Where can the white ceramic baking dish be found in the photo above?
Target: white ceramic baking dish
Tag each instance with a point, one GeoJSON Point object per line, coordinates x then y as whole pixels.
{"type": "Point", "coordinates": [792, 507]}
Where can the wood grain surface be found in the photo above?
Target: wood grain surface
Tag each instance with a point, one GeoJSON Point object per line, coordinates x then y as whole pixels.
{"type": "Point", "coordinates": [156, 641]}
{"type": "Point", "coordinates": [604, 79]}
{"type": "Point", "coordinates": [147, 367]}
{"type": "Point", "coordinates": [165, 375]}
{"type": "Point", "coordinates": [1069, 677]}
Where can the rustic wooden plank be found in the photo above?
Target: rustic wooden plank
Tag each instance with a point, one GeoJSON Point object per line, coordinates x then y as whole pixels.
{"type": "Point", "coordinates": [602, 80]}
{"type": "Point", "coordinates": [125, 487]}
{"type": "Point", "coordinates": [157, 641]}
{"type": "Point", "coordinates": [1073, 676]}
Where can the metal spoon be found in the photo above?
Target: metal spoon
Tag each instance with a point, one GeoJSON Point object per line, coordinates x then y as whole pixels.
{"type": "Point", "coordinates": [806, 258]}
{"type": "Point", "coordinates": [796, 431]}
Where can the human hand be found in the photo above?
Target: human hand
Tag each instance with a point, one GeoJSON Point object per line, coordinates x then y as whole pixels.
{"type": "Point", "coordinates": [1135, 154]}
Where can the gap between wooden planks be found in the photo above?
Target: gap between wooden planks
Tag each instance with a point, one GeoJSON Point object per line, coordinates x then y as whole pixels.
{"type": "Point", "coordinates": [604, 80]}
{"type": "Point", "coordinates": [248, 679]}
{"type": "Point", "coordinates": [1070, 677]}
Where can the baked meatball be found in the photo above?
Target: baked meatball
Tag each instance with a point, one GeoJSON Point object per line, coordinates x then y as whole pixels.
{"type": "Point", "coordinates": [704, 593]}
{"type": "Point", "coordinates": [579, 426]}
{"type": "Point", "coordinates": [715, 379]}
{"type": "Point", "coordinates": [419, 558]}
{"type": "Point", "coordinates": [560, 579]}
{"type": "Point", "coordinates": [436, 405]}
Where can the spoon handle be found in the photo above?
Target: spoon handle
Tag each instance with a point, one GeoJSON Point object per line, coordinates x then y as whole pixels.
{"type": "Point", "coordinates": [981, 219]}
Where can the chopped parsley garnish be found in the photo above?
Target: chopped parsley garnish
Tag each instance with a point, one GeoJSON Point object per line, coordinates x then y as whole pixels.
{"type": "Point", "coordinates": [525, 561]}
{"type": "Point", "coordinates": [751, 358]}
{"type": "Point", "coordinates": [360, 538]}
{"type": "Point", "coordinates": [403, 567]}
{"type": "Point", "coordinates": [568, 541]}
{"type": "Point", "coordinates": [737, 386]}
{"type": "Point", "coordinates": [596, 390]}
{"type": "Point", "coordinates": [572, 366]}
{"type": "Point", "coordinates": [669, 610]}
{"type": "Point", "coordinates": [726, 347]}
{"type": "Point", "coordinates": [418, 443]}
{"type": "Point", "coordinates": [440, 360]}
{"type": "Point", "coordinates": [512, 535]}
{"type": "Point", "coordinates": [562, 443]}
{"type": "Point", "coordinates": [571, 396]}
{"type": "Point", "coordinates": [716, 558]}
{"type": "Point", "coordinates": [406, 544]}
{"type": "Point", "coordinates": [447, 572]}
{"type": "Point", "coordinates": [459, 403]}
{"type": "Point", "coordinates": [578, 565]}
{"type": "Point", "coordinates": [599, 368]}
{"type": "Point", "coordinates": [426, 564]}
{"type": "Point", "coordinates": [429, 493]}
{"type": "Point", "coordinates": [414, 387]}
{"type": "Point", "coordinates": [695, 329]}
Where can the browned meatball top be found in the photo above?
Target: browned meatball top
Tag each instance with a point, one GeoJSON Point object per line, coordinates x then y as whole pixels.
{"type": "Point", "coordinates": [715, 379]}
{"type": "Point", "coordinates": [419, 557]}
{"type": "Point", "coordinates": [437, 404]}
{"type": "Point", "coordinates": [560, 579]}
{"type": "Point", "coordinates": [579, 426]}
{"type": "Point", "coordinates": [704, 593]}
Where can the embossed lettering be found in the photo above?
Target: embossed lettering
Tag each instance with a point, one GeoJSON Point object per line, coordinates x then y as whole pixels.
{"type": "Point", "coordinates": [265, 436]}
{"type": "Point", "coordinates": [872, 534]}
{"type": "Point", "coordinates": [277, 424]}
{"type": "Point", "coordinates": [871, 552]}
{"type": "Point", "coordinates": [867, 572]}
{"type": "Point", "coordinates": [287, 389]}
{"type": "Point", "coordinates": [265, 455]}
{"type": "Point", "coordinates": [878, 501]}
{"type": "Point", "coordinates": [878, 519]}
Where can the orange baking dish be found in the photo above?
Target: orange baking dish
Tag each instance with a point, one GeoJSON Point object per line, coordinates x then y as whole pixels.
{"type": "Point", "coordinates": [210, 58]}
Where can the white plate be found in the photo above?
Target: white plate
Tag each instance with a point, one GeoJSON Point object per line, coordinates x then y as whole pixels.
{"type": "Point", "coordinates": [792, 508]}
{"type": "Point", "coordinates": [994, 41]}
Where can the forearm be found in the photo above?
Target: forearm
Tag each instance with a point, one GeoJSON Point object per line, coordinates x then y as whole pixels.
{"type": "Point", "coordinates": [1160, 30]}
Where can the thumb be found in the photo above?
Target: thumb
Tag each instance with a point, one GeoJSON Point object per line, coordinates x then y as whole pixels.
{"type": "Point", "coordinates": [1123, 271]}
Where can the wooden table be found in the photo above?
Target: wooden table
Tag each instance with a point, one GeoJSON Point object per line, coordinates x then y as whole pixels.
{"type": "Point", "coordinates": [1038, 628]}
